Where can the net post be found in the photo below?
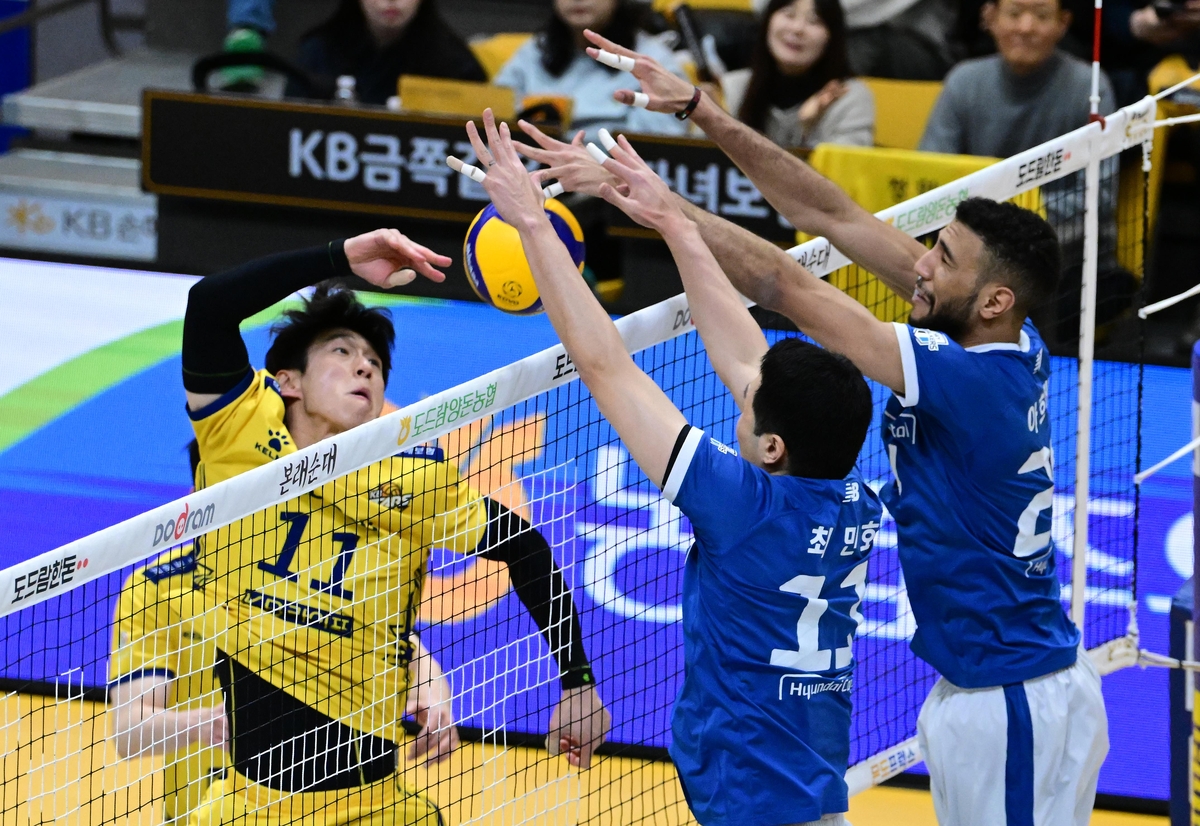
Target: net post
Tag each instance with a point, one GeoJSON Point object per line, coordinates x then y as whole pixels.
{"type": "Point", "coordinates": [1087, 347]}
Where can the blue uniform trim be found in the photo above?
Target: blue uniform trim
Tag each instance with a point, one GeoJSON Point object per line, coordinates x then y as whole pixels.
{"type": "Point", "coordinates": [180, 565]}
{"type": "Point", "coordinates": [431, 452]}
{"type": "Point", "coordinates": [139, 674]}
{"type": "Point", "coordinates": [224, 401]}
{"type": "Point", "coordinates": [1018, 765]}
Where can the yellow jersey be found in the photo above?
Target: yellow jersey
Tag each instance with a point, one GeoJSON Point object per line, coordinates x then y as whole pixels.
{"type": "Point", "coordinates": [320, 592]}
{"type": "Point", "coordinates": [156, 632]}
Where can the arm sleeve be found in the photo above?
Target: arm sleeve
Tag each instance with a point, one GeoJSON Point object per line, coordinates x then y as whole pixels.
{"type": "Point", "coordinates": [722, 494]}
{"type": "Point", "coordinates": [540, 586]}
{"type": "Point", "coordinates": [214, 357]}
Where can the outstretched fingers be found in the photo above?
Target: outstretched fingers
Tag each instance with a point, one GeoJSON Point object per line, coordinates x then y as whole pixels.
{"type": "Point", "coordinates": [599, 41]}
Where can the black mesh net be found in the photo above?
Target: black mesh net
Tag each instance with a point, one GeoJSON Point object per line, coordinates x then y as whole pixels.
{"type": "Point", "coordinates": [315, 637]}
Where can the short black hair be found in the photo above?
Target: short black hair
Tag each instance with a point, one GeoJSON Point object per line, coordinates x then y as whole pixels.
{"type": "Point", "coordinates": [1020, 249]}
{"type": "Point", "coordinates": [817, 402]}
{"type": "Point", "coordinates": [330, 307]}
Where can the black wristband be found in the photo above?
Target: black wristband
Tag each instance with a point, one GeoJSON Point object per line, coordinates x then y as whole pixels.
{"type": "Point", "coordinates": [338, 259]}
{"type": "Point", "coordinates": [577, 677]}
{"type": "Point", "coordinates": [691, 107]}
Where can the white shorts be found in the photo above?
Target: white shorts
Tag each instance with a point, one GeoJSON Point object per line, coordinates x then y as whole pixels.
{"type": "Point", "coordinates": [1027, 754]}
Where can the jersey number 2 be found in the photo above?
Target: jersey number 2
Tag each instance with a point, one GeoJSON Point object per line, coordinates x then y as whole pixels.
{"type": "Point", "coordinates": [807, 657]}
{"type": "Point", "coordinates": [282, 565]}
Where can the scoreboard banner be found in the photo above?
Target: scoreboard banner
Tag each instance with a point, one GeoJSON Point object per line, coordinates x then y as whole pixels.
{"type": "Point", "coordinates": [367, 159]}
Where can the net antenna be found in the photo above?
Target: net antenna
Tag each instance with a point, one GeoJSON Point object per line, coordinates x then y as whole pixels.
{"type": "Point", "coordinates": [660, 337]}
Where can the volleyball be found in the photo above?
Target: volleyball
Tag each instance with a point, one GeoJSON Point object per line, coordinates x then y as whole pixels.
{"type": "Point", "coordinates": [495, 260]}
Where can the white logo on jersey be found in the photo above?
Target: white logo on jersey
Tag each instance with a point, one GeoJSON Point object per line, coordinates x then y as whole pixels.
{"type": "Point", "coordinates": [802, 685]}
{"type": "Point", "coordinates": [723, 448]}
{"type": "Point", "coordinates": [1037, 364]}
{"type": "Point", "coordinates": [903, 427]}
{"type": "Point", "coordinates": [852, 493]}
{"type": "Point", "coordinates": [390, 496]}
{"type": "Point", "coordinates": [931, 339]}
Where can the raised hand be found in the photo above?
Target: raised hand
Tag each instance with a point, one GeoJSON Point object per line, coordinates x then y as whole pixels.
{"type": "Point", "coordinates": [387, 258]}
{"type": "Point", "coordinates": [661, 90]}
{"type": "Point", "coordinates": [570, 164]}
{"type": "Point", "coordinates": [578, 726]}
{"type": "Point", "coordinates": [516, 196]}
{"type": "Point", "coordinates": [814, 108]}
{"type": "Point", "coordinates": [647, 199]}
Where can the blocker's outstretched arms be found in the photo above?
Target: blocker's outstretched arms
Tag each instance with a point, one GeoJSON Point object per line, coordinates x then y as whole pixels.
{"type": "Point", "coordinates": [648, 423]}
{"type": "Point", "coordinates": [811, 202]}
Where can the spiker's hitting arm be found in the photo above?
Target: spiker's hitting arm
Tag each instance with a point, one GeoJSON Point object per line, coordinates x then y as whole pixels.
{"type": "Point", "coordinates": [641, 413]}
{"type": "Point", "coordinates": [215, 358]}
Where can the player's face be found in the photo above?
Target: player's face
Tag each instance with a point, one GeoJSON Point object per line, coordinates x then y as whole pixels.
{"type": "Point", "coordinates": [947, 288]}
{"type": "Point", "coordinates": [342, 387]}
{"type": "Point", "coordinates": [1027, 31]}
{"type": "Point", "coordinates": [796, 37]}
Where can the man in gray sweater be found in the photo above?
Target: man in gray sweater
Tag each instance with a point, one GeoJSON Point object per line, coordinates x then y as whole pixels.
{"type": "Point", "coordinates": [1029, 93]}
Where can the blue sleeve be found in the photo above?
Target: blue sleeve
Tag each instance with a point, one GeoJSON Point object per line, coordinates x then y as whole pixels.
{"type": "Point", "coordinates": [940, 377]}
{"type": "Point", "coordinates": [722, 494]}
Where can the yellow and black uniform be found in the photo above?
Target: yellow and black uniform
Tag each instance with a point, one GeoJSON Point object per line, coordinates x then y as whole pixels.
{"type": "Point", "coordinates": [157, 633]}
{"type": "Point", "coordinates": [318, 594]}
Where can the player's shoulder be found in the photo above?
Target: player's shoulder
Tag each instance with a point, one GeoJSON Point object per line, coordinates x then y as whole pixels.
{"type": "Point", "coordinates": [255, 385]}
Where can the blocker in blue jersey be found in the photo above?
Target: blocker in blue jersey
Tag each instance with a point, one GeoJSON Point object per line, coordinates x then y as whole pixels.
{"type": "Point", "coordinates": [761, 729]}
{"type": "Point", "coordinates": [1015, 731]}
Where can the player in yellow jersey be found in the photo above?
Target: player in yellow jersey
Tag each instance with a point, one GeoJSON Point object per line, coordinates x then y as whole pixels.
{"type": "Point", "coordinates": [162, 693]}
{"type": "Point", "coordinates": [315, 598]}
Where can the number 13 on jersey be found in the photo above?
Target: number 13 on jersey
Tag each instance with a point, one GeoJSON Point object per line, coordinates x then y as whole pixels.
{"type": "Point", "coordinates": [808, 657]}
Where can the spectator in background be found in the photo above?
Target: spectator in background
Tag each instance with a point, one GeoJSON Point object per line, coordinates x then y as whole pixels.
{"type": "Point", "coordinates": [554, 63]}
{"type": "Point", "coordinates": [798, 90]}
{"type": "Point", "coordinates": [1138, 35]}
{"type": "Point", "coordinates": [377, 41]}
{"type": "Point", "coordinates": [1029, 93]}
{"type": "Point", "coordinates": [904, 39]}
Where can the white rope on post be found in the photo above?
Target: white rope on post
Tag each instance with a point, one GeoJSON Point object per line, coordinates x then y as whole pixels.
{"type": "Point", "coordinates": [1174, 457]}
{"type": "Point", "coordinates": [1168, 92]}
{"type": "Point", "coordinates": [1151, 309]}
{"type": "Point", "coordinates": [1159, 124]}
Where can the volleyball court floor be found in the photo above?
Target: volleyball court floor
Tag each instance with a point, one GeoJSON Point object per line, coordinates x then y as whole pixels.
{"type": "Point", "coordinates": [58, 767]}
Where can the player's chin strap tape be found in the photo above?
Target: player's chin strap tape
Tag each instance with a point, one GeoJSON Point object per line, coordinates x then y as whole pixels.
{"type": "Point", "coordinates": [540, 586]}
{"type": "Point", "coordinates": [214, 357]}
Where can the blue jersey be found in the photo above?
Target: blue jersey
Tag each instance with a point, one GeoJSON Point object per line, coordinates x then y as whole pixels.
{"type": "Point", "coordinates": [771, 589]}
{"type": "Point", "coordinates": [969, 445]}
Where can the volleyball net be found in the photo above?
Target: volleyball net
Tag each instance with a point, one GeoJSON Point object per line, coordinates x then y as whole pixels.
{"type": "Point", "coordinates": [296, 580]}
